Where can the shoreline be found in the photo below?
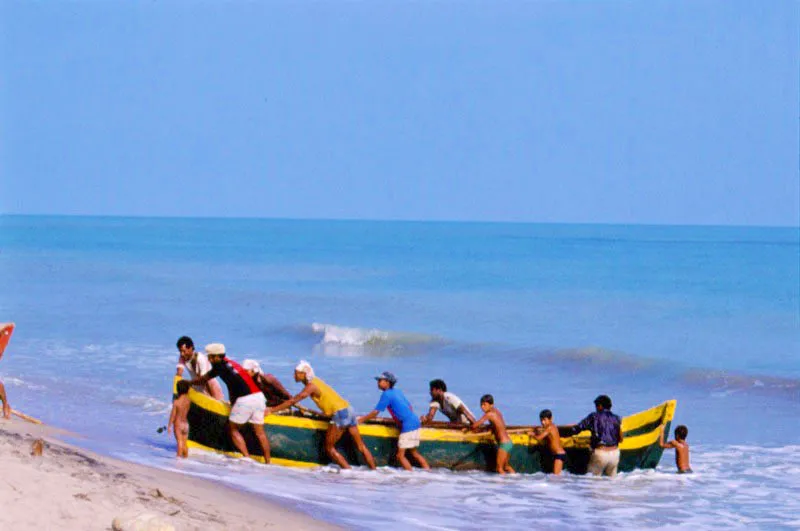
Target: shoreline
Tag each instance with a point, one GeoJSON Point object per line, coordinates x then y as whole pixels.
{"type": "Point", "coordinates": [69, 487]}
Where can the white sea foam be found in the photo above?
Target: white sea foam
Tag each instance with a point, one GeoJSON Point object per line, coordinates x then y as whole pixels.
{"type": "Point", "coordinates": [11, 381]}
{"type": "Point", "coordinates": [733, 487]}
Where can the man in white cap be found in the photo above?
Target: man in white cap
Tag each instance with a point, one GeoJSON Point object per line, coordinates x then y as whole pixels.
{"type": "Point", "coordinates": [248, 404]}
{"type": "Point", "coordinates": [273, 390]}
{"type": "Point", "coordinates": [343, 418]}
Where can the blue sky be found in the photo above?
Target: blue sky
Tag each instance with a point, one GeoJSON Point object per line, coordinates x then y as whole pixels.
{"type": "Point", "coordinates": [677, 112]}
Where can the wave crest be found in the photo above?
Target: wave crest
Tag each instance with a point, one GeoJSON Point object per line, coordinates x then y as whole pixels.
{"type": "Point", "coordinates": [345, 340]}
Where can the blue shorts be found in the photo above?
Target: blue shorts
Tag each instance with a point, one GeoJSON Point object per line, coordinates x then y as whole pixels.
{"type": "Point", "coordinates": [344, 418]}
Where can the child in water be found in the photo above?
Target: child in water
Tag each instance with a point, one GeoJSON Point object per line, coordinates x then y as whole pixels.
{"type": "Point", "coordinates": [498, 426]}
{"type": "Point", "coordinates": [549, 432]}
{"type": "Point", "coordinates": [177, 418]}
{"type": "Point", "coordinates": [680, 446]}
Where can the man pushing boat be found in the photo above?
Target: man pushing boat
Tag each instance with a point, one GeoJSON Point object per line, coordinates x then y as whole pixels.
{"type": "Point", "coordinates": [248, 404]}
{"type": "Point", "coordinates": [343, 418]}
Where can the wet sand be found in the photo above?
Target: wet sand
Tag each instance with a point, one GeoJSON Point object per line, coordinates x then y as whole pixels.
{"type": "Point", "coordinates": [71, 488]}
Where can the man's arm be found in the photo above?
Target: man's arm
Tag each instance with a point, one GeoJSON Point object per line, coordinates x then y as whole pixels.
{"type": "Point", "coordinates": [476, 426]}
{"type": "Point", "coordinates": [369, 416]}
{"type": "Point", "coordinates": [429, 417]}
{"type": "Point", "coordinates": [462, 410]}
{"type": "Point", "coordinates": [172, 415]}
{"type": "Point", "coordinates": [585, 424]}
{"type": "Point", "coordinates": [661, 443]}
{"type": "Point", "coordinates": [302, 395]}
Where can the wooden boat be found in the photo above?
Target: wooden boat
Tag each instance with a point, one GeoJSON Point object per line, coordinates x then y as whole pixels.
{"type": "Point", "coordinates": [297, 439]}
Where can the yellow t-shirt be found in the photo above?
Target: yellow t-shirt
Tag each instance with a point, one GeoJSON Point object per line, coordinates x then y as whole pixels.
{"type": "Point", "coordinates": [328, 400]}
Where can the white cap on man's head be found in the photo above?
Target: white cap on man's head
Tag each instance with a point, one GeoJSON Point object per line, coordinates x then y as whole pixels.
{"type": "Point", "coordinates": [251, 365]}
{"type": "Point", "coordinates": [305, 367]}
{"type": "Point", "coordinates": [215, 349]}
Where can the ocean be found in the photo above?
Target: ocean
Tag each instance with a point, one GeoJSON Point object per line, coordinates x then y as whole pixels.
{"type": "Point", "coordinates": [539, 315]}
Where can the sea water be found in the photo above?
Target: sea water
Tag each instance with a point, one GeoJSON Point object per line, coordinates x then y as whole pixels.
{"type": "Point", "coordinates": [541, 316]}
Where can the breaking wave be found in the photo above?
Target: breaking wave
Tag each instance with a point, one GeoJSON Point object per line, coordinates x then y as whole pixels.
{"type": "Point", "coordinates": [353, 341]}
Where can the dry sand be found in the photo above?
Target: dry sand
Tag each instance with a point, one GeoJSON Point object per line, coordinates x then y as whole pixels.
{"type": "Point", "coordinates": [71, 488]}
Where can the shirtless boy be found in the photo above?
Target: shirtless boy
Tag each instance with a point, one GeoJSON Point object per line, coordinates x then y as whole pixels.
{"type": "Point", "coordinates": [549, 432]}
{"type": "Point", "coordinates": [178, 423]}
{"type": "Point", "coordinates": [680, 446]}
{"type": "Point", "coordinates": [497, 424]}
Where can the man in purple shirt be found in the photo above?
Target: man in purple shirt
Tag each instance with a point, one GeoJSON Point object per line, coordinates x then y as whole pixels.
{"type": "Point", "coordinates": [606, 429]}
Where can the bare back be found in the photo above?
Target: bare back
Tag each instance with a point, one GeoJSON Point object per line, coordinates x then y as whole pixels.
{"type": "Point", "coordinates": [681, 455]}
{"type": "Point", "coordinates": [181, 406]}
{"type": "Point", "coordinates": [498, 425]}
{"type": "Point", "coordinates": [554, 440]}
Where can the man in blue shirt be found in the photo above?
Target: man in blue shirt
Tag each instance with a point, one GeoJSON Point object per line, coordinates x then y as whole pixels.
{"type": "Point", "coordinates": [400, 409]}
{"type": "Point", "coordinates": [606, 430]}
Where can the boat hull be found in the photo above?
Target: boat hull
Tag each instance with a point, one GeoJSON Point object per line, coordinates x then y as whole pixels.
{"type": "Point", "coordinates": [298, 439]}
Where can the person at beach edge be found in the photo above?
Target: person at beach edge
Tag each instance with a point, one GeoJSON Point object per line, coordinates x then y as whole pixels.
{"type": "Point", "coordinates": [342, 416]}
{"type": "Point", "coordinates": [400, 408]}
{"type": "Point", "coordinates": [248, 404]}
{"type": "Point", "coordinates": [178, 423]}
{"type": "Point", "coordinates": [197, 364]}
{"type": "Point", "coordinates": [5, 329]}
{"type": "Point", "coordinates": [606, 430]}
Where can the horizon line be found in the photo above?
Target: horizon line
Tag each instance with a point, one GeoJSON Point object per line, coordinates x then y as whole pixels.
{"type": "Point", "coordinates": [400, 220]}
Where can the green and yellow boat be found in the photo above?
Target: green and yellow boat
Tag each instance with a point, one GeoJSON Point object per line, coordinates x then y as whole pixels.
{"type": "Point", "coordinates": [297, 439]}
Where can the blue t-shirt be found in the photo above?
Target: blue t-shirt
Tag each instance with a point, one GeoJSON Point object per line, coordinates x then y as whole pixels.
{"type": "Point", "coordinates": [399, 408]}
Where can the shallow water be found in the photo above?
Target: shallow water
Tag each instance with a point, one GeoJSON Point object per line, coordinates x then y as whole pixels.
{"type": "Point", "coordinates": [538, 315]}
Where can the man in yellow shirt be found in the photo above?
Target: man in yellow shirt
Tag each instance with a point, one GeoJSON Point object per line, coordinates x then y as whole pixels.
{"type": "Point", "coordinates": [343, 418]}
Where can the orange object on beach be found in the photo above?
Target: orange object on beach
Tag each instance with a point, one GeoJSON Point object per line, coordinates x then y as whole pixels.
{"type": "Point", "coordinates": [5, 334]}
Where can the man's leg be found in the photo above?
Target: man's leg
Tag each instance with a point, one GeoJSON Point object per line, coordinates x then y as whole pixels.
{"type": "Point", "coordinates": [502, 458]}
{"type": "Point", "coordinates": [558, 466]}
{"type": "Point", "coordinates": [332, 436]}
{"type": "Point", "coordinates": [421, 460]}
{"type": "Point", "coordinates": [401, 457]}
{"type": "Point", "coordinates": [236, 437]}
{"type": "Point", "coordinates": [4, 398]}
{"type": "Point", "coordinates": [356, 435]}
{"type": "Point", "coordinates": [612, 463]}
{"type": "Point", "coordinates": [262, 440]}
{"type": "Point", "coordinates": [596, 463]}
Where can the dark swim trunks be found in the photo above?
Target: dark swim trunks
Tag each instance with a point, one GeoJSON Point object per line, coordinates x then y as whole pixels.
{"type": "Point", "coordinates": [561, 457]}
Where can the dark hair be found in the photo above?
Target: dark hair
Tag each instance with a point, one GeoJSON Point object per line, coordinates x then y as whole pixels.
{"type": "Point", "coordinates": [681, 432]}
{"type": "Point", "coordinates": [185, 341]}
{"type": "Point", "coordinates": [439, 384]}
{"type": "Point", "coordinates": [545, 414]}
{"type": "Point", "coordinates": [489, 399]}
{"type": "Point", "coordinates": [183, 387]}
{"type": "Point", "coordinates": [603, 401]}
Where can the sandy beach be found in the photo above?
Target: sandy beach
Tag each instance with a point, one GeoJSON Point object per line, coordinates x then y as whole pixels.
{"type": "Point", "coordinates": [71, 488]}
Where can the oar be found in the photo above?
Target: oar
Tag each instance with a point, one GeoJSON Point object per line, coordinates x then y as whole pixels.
{"type": "Point", "coordinates": [23, 416]}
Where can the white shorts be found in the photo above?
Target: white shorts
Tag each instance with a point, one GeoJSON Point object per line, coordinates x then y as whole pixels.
{"type": "Point", "coordinates": [409, 439]}
{"type": "Point", "coordinates": [604, 462]}
{"type": "Point", "coordinates": [250, 408]}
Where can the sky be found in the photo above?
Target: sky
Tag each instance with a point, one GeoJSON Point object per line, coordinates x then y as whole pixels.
{"type": "Point", "coordinates": [657, 112]}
